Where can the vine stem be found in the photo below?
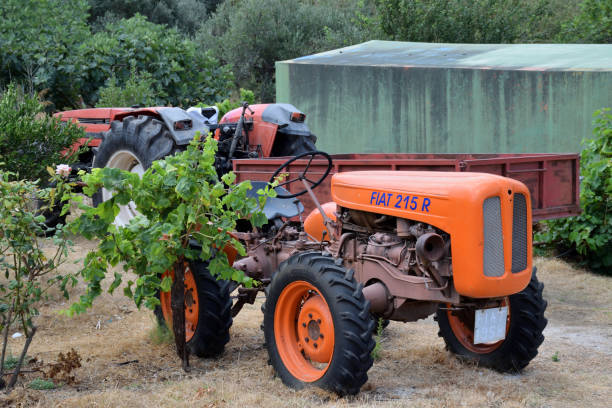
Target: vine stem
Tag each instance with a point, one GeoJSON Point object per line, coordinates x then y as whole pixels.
{"type": "Point", "coordinates": [178, 312]}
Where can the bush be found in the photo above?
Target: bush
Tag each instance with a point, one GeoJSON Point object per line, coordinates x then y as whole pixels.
{"type": "Point", "coordinates": [138, 90]}
{"type": "Point", "coordinates": [31, 140]}
{"type": "Point", "coordinates": [464, 21]}
{"type": "Point", "coordinates": [251, 35]}
{"type": "Point", "coordinates": [589, 234]}
{"type": "Point", "coordinates": [593, 24]}
{"type": "Point", "coordinates": [182, 74]}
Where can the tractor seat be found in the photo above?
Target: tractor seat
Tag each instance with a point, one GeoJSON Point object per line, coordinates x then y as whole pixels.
{"type": "Point", "coordinates": [277, 207]}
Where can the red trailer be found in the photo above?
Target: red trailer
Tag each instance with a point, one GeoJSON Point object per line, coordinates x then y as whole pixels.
{"type": "Point", "coordinates": [552, 179]}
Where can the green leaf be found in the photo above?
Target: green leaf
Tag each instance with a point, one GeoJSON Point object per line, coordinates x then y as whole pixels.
{"type": "Point", "coordinates": [166, 284]}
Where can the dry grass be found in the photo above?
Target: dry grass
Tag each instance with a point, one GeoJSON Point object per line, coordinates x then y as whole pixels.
{"type": "Point", "coordinates": [414, 369]}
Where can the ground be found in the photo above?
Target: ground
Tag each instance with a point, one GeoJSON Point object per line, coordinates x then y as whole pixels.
{"type": "Point", "coordinates": [123, 367]}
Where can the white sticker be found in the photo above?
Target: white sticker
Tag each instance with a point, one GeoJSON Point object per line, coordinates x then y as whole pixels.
{"type": "Point", "coordinates": [490, 325]}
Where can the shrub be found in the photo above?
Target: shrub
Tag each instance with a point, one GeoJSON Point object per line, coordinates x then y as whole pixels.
{"type": "Point", "coordinates": [463, 21]}
{"type": "Point", "coordinates": [138, 90]}
{"type": "Point", "coordinates": [590, 233]}
{"type": "Point", "coordinates": [593, 24]}
{"type": "Point", "coordinates": [41, 384]}
{"type": "Point", "coordinates": [182, 74]}
{"type": "Point", "coordinates": [251, 35]}
{"type": "Point", "coordinates": [31, 140]}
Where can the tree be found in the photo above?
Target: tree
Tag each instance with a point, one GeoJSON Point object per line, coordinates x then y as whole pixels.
{"type": "Point", "coordinates": [39, 46]}
{"type": "Point", "coordinates": [593, 24]}
{"type": "Point", "coordinates": [182, 74]}
{"type": "Point", "coordinates": [251, 35]}
{"type": "Point", "coordinates": [463, 21]}
{"type": "Point", "coordinates": [29, 264]}
{"type": "Point", "coordinates": [184, 15]}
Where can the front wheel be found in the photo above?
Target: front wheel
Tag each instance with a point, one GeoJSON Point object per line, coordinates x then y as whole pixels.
{"type": "Point", "coordinates": [317, 325]}
{"type": "Point", "coordinates": [524, 328]}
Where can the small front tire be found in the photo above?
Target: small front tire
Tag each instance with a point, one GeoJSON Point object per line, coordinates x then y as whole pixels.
{"type": "Point", "coordinates": [317, 325]}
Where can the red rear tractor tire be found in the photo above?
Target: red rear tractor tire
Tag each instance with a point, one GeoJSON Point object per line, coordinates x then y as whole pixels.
{"type": "Point", "coordinates": [132, 145]}
{"type": "Point", "coordinates": [317, 325]}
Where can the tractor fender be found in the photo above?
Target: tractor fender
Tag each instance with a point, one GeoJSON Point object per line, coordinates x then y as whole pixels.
{"type": "Point", "coordinates": [181, 137]}
{"type": "Point", "coordinates": [314, 225]}
{"type": "Point", "coordinates": [170, 116]}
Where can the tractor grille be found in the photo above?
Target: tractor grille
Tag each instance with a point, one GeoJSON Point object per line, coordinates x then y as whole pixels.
{"type": "Point", "coordinates": [493, 239]}
{"type": "Point", "coordinates": [519, 233]}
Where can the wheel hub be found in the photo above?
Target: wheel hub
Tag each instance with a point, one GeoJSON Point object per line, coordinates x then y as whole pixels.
{"type": "Point", "coordinates": [124, 160]}
{"type": "Point", "coordinates": [314, 330]}
{"type": "Point", "coordinates": [314, 327]}
{"type": "Point", "coordinates": [191, 306]}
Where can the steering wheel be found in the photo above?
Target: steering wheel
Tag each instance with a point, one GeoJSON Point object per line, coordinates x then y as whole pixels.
{"type": "Point", "coordinates": [302, 176]}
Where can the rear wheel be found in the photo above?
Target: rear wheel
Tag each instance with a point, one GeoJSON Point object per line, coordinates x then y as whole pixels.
{"type": "Point", "coordinates": [317, 325]}
{"type": "Point", "coordinates": [208, 315]}
{"type": "Point", "coordinates": [132, 145]}
{"type": "Point", "coordinates": [524, 328]}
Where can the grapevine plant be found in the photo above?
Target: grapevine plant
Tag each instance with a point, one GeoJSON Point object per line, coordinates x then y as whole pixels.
{"type": "Point", "coordinates": [186, 213]}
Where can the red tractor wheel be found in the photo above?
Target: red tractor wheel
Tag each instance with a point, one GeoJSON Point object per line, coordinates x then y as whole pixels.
{"type": "Point", "coordinates": [208, 315]}
{"type": "Point", "coordinates": [317, 325]}
{"type": "Point", "coordinates": [524, 328]}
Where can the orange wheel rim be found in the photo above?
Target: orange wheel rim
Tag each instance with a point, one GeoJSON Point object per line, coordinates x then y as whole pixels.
{"type": "Point", "coordinates": [192, 309]}
{"type": "Point", "coordinates": [304, 331]}
{"type": "Point", "coordinates": [462, 325]}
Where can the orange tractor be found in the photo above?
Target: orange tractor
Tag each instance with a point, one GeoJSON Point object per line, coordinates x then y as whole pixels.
{"type": "Point", "coordinates": [394, 245]}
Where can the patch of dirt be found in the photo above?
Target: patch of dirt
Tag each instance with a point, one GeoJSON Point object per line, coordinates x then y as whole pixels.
{"type": "Point", "coordinates": [122, 367]}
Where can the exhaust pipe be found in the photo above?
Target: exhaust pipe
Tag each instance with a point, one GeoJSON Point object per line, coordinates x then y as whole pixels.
{"type": "Point", "coordinates": [430, 247]}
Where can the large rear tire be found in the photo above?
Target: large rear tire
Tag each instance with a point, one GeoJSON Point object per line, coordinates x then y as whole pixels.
{"type": "Point", "coordinates": [132, 145]}
{"type": "Point", "coordinates": [526, 322]}
{"type": "Point", "coordinates": [208, 316]}
{"type": "Point", "coordinates": [317, 325]}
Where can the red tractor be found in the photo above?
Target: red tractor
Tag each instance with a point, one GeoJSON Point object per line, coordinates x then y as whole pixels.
{"type": "Point", "coordinates": [132, 138]}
